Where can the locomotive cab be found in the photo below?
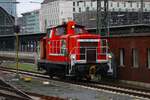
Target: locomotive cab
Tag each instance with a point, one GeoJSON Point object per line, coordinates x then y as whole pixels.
{"type": "Point", "coordinates": [69, 50]}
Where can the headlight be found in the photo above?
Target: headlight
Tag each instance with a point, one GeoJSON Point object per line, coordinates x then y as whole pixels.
{"type": "Point", "coordinates": [73, 27]}
{"type": "Point", "coordinates": [109, 56]}
{"type": "Point", "coordinates": [73, 57]}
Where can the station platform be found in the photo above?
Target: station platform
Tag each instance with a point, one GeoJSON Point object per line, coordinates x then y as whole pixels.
{"type": "Point", "coordinates": [30, 57]}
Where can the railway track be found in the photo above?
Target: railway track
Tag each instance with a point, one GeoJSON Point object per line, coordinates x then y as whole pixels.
{"type": "Point", "coordinates": [119, 90]}
{"type": "Point", "coordinates": [9, 92]}
{"type": "Point", "coordinates": [100, 86]}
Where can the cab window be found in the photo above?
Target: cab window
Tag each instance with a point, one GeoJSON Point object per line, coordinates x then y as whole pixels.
{"type": "Point", "coordinates": [49, 32]}
{"type": "Point", "coordinates": [79, 30]}
{"type": "Point", "coordinates": [60, 31]}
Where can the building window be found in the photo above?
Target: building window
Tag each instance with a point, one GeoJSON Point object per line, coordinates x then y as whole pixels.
{"type": "Point", "coordinates": [124, 4]}
{"type": "Point", "coordinates": [91, 4]}
{"type": "Point", "coordinates": [87, 8]}
{"type": "Point", "coordinates": [117, 4]}
{"type": "Point", "coordinates": [143, 5]}
{"type": "Point", "coordinates": [79, 9]}
{"type": "Point", "coordinates": [113, 9]}
{"type": "Point", "coordinates": [78, 3]}
{"type": "Point", "coordinates": [148, 58]}
{"type": "Point", "coordinates": [131, 4]}
{"type": "Point", "coordinates": [122, 56]}
{"type": "Point", "coordinates": [74, 3]}
{"type": "Point", "coordinates": [135, 58]}
{"type": "Point", "coordinates": [137, 4]}
{"type": "Point", "coordinates": [119, 9]}
{"type": "Point", "coordinates": [146, 10]}
{"type": "Point", "coordinates": [133, 9]}
{"type": "Point", "coordinates": [84, 4]}
{"type": "Point", "coordinates": [61, 12]}
{"type": "Point", "coordinates": [74, 10]}
{"type": "Point", "coordinates": [111, 5]}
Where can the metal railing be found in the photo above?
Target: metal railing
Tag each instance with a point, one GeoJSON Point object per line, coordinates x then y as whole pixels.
{"type": "Point", "coordinates": [21, 54]}
{"type": "Point", "coordinates": [100, 51]}
{"type": "Point", "coordinates": [58, 48]}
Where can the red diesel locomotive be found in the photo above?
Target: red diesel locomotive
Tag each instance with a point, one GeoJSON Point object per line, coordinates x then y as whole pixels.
{"type": "Point", "coordinates": [69, 50]}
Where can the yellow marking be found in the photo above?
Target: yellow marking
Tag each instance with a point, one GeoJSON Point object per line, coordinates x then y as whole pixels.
{"type": "Point", "coordinates": [27, 79]}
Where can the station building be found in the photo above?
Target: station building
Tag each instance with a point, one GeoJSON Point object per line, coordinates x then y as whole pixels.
{"type": "Point", "coordinates": [55, 12]}
{"type": "Point", "coordinates": [6, 23]}
{"type": "Point", "coordinates": [9, 6]}
{"type": "Point", "coordinates": [30, 22]}
{"type": "Point", "coordinates": [131, 46]}
{"type": "Point", "coordinates": [120, 12]}
{"type": "Point", "coordinates": [132, 54]}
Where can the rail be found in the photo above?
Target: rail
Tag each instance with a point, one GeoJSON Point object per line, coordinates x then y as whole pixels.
{"type": "Point", "coordinates": [24, 94]}
{"type": "Point", "coordinates": [10, 92]}
{"type": "Point", "coordinates": [117, 88]}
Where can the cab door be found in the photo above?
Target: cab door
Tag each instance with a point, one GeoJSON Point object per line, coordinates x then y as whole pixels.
{"type": "Point", "coordinates": [50, 33]}
{"type": "Point", "coordinates": [56, 44]}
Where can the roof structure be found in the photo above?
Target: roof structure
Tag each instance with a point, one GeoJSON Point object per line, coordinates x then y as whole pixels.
{"type": "Point", "coordinates": [47, 1]}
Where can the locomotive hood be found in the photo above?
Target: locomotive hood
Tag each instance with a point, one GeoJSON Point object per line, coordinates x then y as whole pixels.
{"type": "Point", "coordinates": [85, 36]}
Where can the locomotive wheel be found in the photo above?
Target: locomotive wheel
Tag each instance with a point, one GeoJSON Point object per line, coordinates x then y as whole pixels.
{"type": "Point", "coordinates": [99, 77]}
{"type": "Point", "coordinates": [51, 76]}
{"type": "Point", "coordinates": [78, 78]}
{"type": "Point", "coordinates": [88, 78]}
{"type": "Point", "coordinates": [50, 73]}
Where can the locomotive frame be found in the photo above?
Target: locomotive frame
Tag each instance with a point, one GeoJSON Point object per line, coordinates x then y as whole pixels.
{"type": "Point", "coordinates": [69, 50]}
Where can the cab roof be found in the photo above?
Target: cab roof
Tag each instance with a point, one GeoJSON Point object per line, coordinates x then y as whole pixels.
{"type": "Point", "coordinates": [64, 25]}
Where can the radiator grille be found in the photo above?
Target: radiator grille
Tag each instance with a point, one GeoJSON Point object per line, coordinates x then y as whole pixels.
{"type": "Point", "coordinates": [88, 51]}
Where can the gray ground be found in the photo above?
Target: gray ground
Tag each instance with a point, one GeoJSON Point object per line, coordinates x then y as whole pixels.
{"type": "Point", "coordinates": [64, 90]}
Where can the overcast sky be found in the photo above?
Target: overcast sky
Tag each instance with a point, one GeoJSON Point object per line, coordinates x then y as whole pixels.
{"type": "Point", "coordinates": [25, 6]}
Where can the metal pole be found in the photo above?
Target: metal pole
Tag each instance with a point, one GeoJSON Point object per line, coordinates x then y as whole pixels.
{"type": "Point", "coordinates": [102, 17]}
{"type": "Point", "coordinates": [99, 15]}
{"type": "Point", "coordinates": [17, 48]}
{"type": "Point", "coordinates": [17, 51]}
{"type": "Point", "coordinates": [141, 12]}
{"type": "Point", "coordinates": [107, 17]}
{"type": "Point", "coordinates": [108, 23]}
{"type": "Point", "coordinates": [82, 12]}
